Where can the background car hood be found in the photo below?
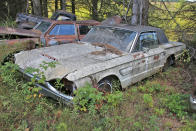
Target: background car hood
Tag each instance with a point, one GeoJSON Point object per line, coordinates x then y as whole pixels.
{"type": "Point", "coordinates": [69, 58]}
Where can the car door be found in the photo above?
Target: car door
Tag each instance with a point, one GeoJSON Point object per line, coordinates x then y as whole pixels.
{"type": "Point", "coordinates": [61, 34]}
{"type": "Point", "coordinates": [138, 64]}
{"type": "Point", "coordinates": [150, 45]}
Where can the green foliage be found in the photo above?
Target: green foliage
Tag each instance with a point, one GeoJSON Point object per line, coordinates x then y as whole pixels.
{"type": "Point", "coordinates": [8, 22]}
{"type": "Point", "coordinates": [151, 87]}
{"type": "Point", "coordinates": [89, 98]}
{"type": "Point", "coordinates": [177, 104]}
{"type": "Point", "coordinates": [9, 74]}
{"type": "Point", "coordinates": [159, 112]}
{"type": "Point", "coordinates": [86, 98]}
{"type": "Point", "coordinates": [114, 99]}
{"type": "Point", "coordinates": [61, 127]}
{"type": "Point", "coordinates": [148, 100]}
{"type": "Point", "coordinates": [189, 126]}
{"type": "Point", "coordinates": [185, 57]}
{"type": "Point", "coordinates": [58, 84]}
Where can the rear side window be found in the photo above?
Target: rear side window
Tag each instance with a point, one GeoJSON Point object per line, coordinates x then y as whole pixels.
{"type": "Point", "coordinates": [84, 29]}
{"type": "Point", "coordinates": [68, 29]}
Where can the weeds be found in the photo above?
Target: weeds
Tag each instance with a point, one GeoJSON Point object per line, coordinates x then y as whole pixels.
{"type": "Point", "coordinates": [141, 107]}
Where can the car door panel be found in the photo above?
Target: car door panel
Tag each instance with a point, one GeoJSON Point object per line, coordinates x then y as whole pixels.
{"type": "Point", "coordinates": [135, 69]}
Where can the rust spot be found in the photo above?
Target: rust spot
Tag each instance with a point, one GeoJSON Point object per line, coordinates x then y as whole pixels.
{"type": "Point", "coordinates": [50, 57]}
{"type": "Point", "coordinates": [99, 53]}
{"type": "Point", "coordinates": [156, 57]}
{"type": "Point", "coordinates": [107, 48]}
{"type": "Point", "coordinates": [136, 55]}
{"type": "Point", "coordinates": [19, 32]}
{"type": "Point", "coordinates": [143, 56]}
{"type": "Point", "coordinates": [143, 61]}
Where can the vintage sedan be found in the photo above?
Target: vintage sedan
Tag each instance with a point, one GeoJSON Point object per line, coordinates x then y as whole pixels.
{"type": "Point", "coordinates": [124, 53]}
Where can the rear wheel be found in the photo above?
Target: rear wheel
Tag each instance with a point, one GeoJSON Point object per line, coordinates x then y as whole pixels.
{"type": "Point", "coordinates": [170, 62]}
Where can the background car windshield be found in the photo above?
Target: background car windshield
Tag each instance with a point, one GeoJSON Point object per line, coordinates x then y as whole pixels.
{"type": "Point", "coordinates": [43, 26]}
{"type": "Point", "coordinates": [66, 29]}
{"type": "Point", "coordinates": [118, 38]}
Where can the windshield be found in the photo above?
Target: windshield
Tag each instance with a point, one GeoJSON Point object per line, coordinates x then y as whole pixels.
{"type": "Point", "coordinates": [118, 38]}
{"type": "Point", "coordinates": [43, 26]}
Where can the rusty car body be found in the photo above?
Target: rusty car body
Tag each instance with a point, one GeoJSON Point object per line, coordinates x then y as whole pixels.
{"type": "Point", "coordinates": [58, 32]}
{"type": "Point", "coordinates": [49, 33]}
{"type": "Point", "coordinates": [120, 52]}
{"type": "Point", "coordinates": [27, 21]}
{"type": "Point", "coordinates": [44, 34]}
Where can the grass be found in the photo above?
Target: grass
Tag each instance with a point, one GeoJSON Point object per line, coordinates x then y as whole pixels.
{"type": "Point", "coordinates": [157, 103]}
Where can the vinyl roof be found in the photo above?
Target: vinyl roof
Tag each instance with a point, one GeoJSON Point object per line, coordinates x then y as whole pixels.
{"type": "Point", "coordinates": [141, 28]}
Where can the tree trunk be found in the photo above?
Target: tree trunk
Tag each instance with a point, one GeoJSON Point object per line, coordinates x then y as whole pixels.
{"type": "Point", "coordinates": [63, 5]}
{"type": "Point", "coordinates": [135, 13]}
{"type": "Point", "coordinates": [56, 5]}
{"type": "Point", "coordinates": [140, 12]}
{"type": "Point", "coordinates": [145, 12]}
{"type": "Point", "coordinates": [37, 7]}
{"type": "Point", "coordinates": [45, 7]}
{"type": "Point", "coordinates": [95, 9]}
{"type": "Point", "coordinates": [73, 6]}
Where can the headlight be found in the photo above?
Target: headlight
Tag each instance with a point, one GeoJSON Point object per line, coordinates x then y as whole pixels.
{"type": "Point", "coordinates": [64, 86]}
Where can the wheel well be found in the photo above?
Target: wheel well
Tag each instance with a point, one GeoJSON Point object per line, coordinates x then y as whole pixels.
{"type": "Point", "coordinates": [172, 56]}
{"type": "Point", "coordinates": [171, 59]}
{"type": "Point", "coordinates": [112, 77]}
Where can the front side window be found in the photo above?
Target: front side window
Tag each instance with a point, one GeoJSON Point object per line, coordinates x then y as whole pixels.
{"type": "Point", "coordinates": [66, 29]}
{"type": "Point", "coordinates": [146, 40]}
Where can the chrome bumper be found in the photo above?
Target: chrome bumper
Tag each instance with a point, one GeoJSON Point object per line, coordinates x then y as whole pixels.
{"type": "Point", "coordinates": [49, 91]}
{"type": "Point", "coordinates": [192, 103]}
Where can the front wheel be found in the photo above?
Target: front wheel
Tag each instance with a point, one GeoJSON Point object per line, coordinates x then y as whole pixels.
{"type": "Point", "coordinates": [105, 86]}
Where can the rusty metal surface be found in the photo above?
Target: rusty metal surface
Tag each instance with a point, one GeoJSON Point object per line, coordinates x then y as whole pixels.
{"type": "Point", "coordinates": [23, 40]}
{"type": "Point", "coordinates": [19, 32]}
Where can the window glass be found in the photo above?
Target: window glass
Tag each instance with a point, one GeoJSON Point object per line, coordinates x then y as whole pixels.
{"type": "Point", "coordinates": [68, 29]}
{"type": "Point", "coordinates": [118, 38]}
{"type": "Point", "coordinates": [43, 26]}
{"type": "Point", "coordinates": [146, 40]}
{"type": "Point", "coordinates": [84, 29]}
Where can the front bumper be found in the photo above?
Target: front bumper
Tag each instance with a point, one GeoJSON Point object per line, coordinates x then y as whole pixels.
{"type": "Point", "coordinates": [192, 103]}
{"type": "Point", "coordinates": [49, 91]}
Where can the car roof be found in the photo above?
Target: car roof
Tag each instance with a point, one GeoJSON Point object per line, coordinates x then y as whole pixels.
{"type": "Point", "coordinates": [141, 28]}
{"type": "Point", "coordinates": [87, 22]}
{"type": "Point", "coordinates": [137, 28]}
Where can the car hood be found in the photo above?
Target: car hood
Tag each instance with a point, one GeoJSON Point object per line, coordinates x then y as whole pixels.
{"type": "Point", "coordinates": [69, 58]}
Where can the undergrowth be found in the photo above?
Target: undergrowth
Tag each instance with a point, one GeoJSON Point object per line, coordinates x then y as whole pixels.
{"type": "Point", "coordinates": [153, 104]}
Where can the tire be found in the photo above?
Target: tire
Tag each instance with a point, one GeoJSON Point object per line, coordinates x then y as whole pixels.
{"type": "Point", "coordinates": [105, 86]}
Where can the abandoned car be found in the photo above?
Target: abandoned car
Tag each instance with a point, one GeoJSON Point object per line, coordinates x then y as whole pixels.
{"type": "Point", "coordinates": [118, 52]}
{"type": "Point", "coordinates": [27, 21]}
{"type": "Point", "coordinates": [49, 33]}
{"type": "Point", "coordinates": [62, 32]}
